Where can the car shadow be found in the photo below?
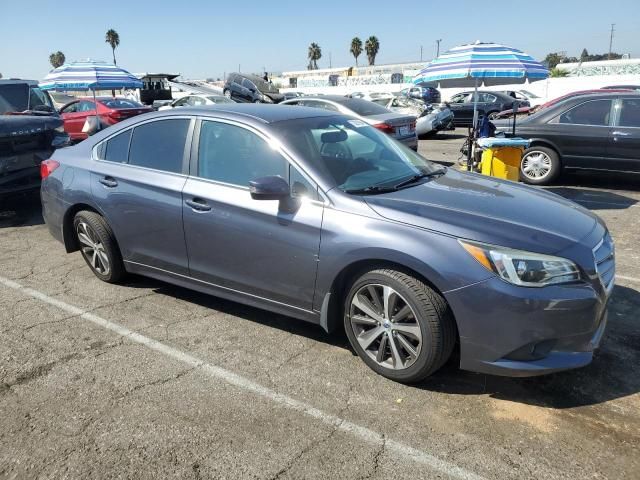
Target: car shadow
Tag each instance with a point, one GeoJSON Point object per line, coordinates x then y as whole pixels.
{"type": "Point", "coordinates": [594, 199]}
{"type": "Point", "coordinates": [606, 378]}
{"type": "Point", "coordinates": [21, 211]}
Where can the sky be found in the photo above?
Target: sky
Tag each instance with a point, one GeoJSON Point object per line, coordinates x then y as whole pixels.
{"type": "Point", "coordinates": [201, 39]}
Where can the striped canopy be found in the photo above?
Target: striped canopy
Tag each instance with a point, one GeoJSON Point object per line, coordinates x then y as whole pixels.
{"type": "Point", "coordinates": [481, 64]}
{"type": "Point", "coordinates": [89, 76]}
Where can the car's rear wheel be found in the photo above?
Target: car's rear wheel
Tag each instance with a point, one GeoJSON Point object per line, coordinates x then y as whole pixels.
{"type": "Point", "coordinates": [539, 165]}
{"type": "Point", "coordinates": [400, 327]}
{"type": "Point", "coordinates": [98, 246]}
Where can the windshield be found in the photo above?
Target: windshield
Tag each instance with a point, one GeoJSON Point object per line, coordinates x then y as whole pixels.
{"type": "Point", "coordinates": [527, 93]}
{"type": "Point", "coordinates": [219, 99]}
{"type": "Point", "coordinates": [364, 107]}
{"type": "Point", "coordinates": [353, 154]}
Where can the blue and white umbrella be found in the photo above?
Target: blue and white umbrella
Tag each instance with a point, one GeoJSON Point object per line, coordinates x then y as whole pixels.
{"type": "Point", "coordinates": [481, 64]}
{"type": "Point", "coordinates": [89, 76]}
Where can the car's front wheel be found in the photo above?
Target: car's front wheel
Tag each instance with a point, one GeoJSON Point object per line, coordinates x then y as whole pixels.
{"type": "Point", "coordinates": [98, 246]}
{"type": "Point", "coordinates": [227, 93]}
{"type": "Point", "coordinates": [539, 165]}
{"type": "Point", "coordinates": [398, 325]}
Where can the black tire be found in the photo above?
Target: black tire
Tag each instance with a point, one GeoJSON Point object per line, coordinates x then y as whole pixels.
{"type": "Point", "coordinates": [103, 234]}
{"type": "Point", "coordinates": [227, 93]}
{"type": "Point", "coordinates": [432, 313]}
{"type": "Point", "coordinates": [553, 172]}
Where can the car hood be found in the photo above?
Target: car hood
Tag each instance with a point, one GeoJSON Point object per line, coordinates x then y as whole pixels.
{"type": "Point", "coordinates": [488, 210]}
{"type": "Point", "coordinates": [18, 125]}
{"type": "Point", "coordinates": [276, 97]}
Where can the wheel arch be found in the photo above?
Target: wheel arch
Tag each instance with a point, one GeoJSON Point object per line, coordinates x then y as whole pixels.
{"type": "Point", "coordinates": [331, 311]}
{"type": "Point", "coordinates": [70, 241]}
{"type": "Point", "coordinates": [541, 142]}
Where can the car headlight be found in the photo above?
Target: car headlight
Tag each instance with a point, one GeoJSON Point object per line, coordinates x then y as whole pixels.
{"type": "Point", "coordinates": [522, 268]}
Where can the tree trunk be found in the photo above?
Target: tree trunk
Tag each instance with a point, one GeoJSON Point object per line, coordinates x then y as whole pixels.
{"type": "Point", "coordinates": [114, 55]}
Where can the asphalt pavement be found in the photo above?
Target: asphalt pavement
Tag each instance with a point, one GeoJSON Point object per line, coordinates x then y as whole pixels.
{"type": "Point", "coordinates": [148, 380]}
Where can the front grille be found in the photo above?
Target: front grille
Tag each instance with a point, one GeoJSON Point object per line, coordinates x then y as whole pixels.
{"type": "Point", "coordinates": [604, 256]}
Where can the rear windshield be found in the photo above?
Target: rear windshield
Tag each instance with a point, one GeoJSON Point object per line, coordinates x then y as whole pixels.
{"type": "Point", "coordinates": [18, 97]}
{"type": "Point", "coordinates": [364, 107]}
{"type": "Point", "coordinates": [120, 103]}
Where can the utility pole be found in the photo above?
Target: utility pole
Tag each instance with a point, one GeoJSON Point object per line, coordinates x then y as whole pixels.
{"type": "Point", "coordinates": [611, 40]}
{"type": "Point", "coordinates": [438, 47]}
{"type": "Point", "coordinates": [420, 52]}
{"type": "Point", "coordinates": [329, 59]}
{"type": "Point", "coordinates": [238, 68]}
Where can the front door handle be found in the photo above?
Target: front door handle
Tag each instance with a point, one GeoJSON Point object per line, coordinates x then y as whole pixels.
{"type": "Point", "coordinates": [620, 134]}
{"type": "Point", "coordinates": [109, 182]}
{"type": "Point", "coordinates": [198, 204]}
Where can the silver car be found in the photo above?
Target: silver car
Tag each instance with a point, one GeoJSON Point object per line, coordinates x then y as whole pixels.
{"type": "Point", "coordinates": [400, 126]}
{"type": "Point", "coordinates": [431, 118]}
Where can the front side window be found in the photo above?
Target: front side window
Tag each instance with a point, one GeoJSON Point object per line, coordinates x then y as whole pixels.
{"type": "Point", "coordinates": [86, 106]}
{"type": "Point", "coordinates": [247, 84]}
{"type": "Point", "coordinates": [630, 113]}
{"type": "Point", "coordinates": [160, 144]}
{"type": "Point", "coordinates": [71, 108]}
{"type": "Point", "coordinates": [231, 154]}
{"type": "Point", "coordinates": [595, 112]}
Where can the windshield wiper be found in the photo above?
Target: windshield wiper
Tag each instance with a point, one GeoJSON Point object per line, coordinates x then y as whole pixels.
{"type": "Point", "coordinates": [418, 177]}
{"type": "Point", "coordinates": [371, 190]}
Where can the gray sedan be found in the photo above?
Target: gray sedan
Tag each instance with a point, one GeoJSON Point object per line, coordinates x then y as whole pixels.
{"type": "Point", "coordinates": [321, 217]}
{"type": "Point", "coordinates": [400, 126]}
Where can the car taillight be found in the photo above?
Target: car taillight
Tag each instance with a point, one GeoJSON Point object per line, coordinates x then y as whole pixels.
{"type": "Point", "coordinates": [385, 127]}
{"type": "Point", "coordinates": [47, 167]}
{"type": "Point", "coordinates": [412, 126]}
{"type": "Point", "coordinates": [116, 115]}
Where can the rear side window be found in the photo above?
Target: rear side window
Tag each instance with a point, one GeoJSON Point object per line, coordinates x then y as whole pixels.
{"type": "Point", "coordinates": [116, 149]}
{"type": "Point", "coordinates": [596, 112]}
{"type": "Point", "coordinates": [630, 113]}
{"type": "Point", "coordinates": [159, 145]}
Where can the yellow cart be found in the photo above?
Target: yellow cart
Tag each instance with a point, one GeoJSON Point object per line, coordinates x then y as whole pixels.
{"type": "Point", "coordinates": [501, 157]}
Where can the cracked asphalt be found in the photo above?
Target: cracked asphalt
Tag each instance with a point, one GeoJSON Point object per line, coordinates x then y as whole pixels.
{"type": "Point", "coordinates": [148, 380]}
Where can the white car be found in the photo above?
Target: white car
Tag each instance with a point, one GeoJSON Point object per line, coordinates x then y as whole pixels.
{"type": "Point", "coordinates": [197, 100]}
{"type": "Point", "coordinates": [533, 99]}
{"type": "Point", "coordinates": [431, 118]}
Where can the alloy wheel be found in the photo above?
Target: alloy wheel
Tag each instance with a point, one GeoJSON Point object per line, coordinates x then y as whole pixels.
{"type": "Point", "coordinates": [385, 326]}
{"type": "Point", "coordinates": [92, 248]}
{"type": "Point", "coordinates": [536, 165]}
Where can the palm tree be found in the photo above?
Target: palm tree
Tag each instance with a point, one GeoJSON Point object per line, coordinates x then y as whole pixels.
{"type": "Point", "coordinates": [314, 54]}
{"type": "Point", "coordinates": [372, 46]}
{"type": "Point", "coordinates": [57, 59]}
{"type": "Point", "coordinates": [557, 73]}
{"type": "Point", "coordinates": [356, 48]}
{"type": "Point", "coordinates": [113, 39]}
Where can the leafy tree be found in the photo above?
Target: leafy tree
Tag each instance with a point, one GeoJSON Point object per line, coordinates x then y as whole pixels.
{"type": "Point", "coordinates": [314, 54]}
{"type": "Point", "coordinates": [372, 46]}
{"type": "Point", "coordinates": [552, 60]}
{"type": "Point", "coordinates": [356, 48]}
{"type": "Point", "coordinates": [584, 56]}
{"type": "Point", "coordinates": [557, 73]}
{"type": "Point", "coordinates": [57, 59]}
{"type": "Point", "coordinates": [113, 39]}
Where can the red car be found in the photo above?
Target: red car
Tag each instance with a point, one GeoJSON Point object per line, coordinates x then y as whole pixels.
{"type": "Point", "coordinates": [110, 110]}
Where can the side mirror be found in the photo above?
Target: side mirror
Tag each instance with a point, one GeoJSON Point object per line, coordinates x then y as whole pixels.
{"type": "Point", "coordinates": [269, 188]}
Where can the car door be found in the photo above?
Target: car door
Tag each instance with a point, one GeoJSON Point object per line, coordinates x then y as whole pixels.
{"type": "Point", "coordinates": [582, 133]}
{"type": "Point", "coordinates": [137, 182]}
{"type": "Point", "coordinates": [462, 108]}
{"type": "Point", "coordinates": [70, 116]}
{"type": "Point", "coordinates": [624, 143]}
{"type": "Point", "coordinates": [248, 90]}
{"type": "Point", "coordinates": [261, 248]}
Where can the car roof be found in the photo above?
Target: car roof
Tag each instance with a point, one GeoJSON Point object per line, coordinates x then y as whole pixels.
{"type": "Point", "coordinates": [18, 81]}
{"type": "Point", "coordinates": [257, 111]}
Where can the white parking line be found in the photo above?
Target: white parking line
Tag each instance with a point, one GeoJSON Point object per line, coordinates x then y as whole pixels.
{"type": "Point", "coordinates": [628, 279]}
{"type": "Point", "coordinates": [234, 379]}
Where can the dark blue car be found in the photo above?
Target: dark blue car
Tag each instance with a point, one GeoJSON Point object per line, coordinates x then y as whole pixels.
{"type": "Point", "coordinates": [324, 218]}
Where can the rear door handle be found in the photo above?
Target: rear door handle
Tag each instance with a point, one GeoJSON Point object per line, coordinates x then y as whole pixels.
{"type": "Point", "coordinates": [109, 182]}
{"type": "Point", "coordinates": [198, 204]}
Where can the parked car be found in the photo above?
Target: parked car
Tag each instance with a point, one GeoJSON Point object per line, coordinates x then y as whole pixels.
{"type": "Point", "coordinates": [290, 95]}
{"type": "Point", "coordinates": [623, 87]}
{"type": "Point", "coordinates": [525, 96]}
{"type": "Point", "coordinates": [401, 251]}
{"type": "Point", "coordinates": [110, 111]}
{"type": "Point", "coordinates": [489, 103]}
{"type": "Point", "coordinates": [195, 100]}
{"type": "Point", "coordinates": [598, 131]}
{"type": "Point", "coordinates": [250, 88]}
{"type": "Point", "coordinates": [402, 127]}
{"type": "Point", "coordinates": [30, 131]}
{"type": "Point", "coordinates": [431, 118]}
{"type": "Point", "coordinates": [426, 94]}
{"type": "Point", "coordinates": [525, 111]}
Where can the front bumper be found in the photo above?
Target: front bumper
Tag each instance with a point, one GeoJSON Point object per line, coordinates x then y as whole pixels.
{"type": "Point", "coordinates": [519, 332]}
